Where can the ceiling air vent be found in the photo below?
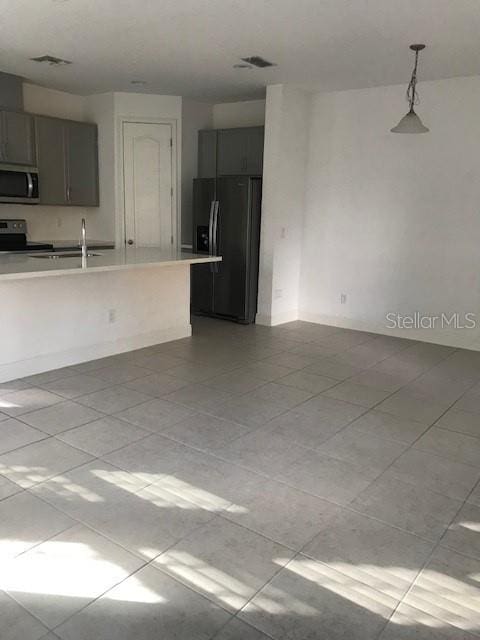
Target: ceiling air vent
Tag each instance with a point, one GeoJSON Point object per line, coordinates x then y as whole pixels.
{"type": "Point", "coordinates": [51, 60]}
{"type": "Point", "coordinates": [257, 61]}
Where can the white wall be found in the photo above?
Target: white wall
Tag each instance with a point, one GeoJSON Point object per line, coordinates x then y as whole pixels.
{"type": "Point", "coordinates": [284, 183]}
{"type": "Point", "coordinates": [49, 102]}
{"type": "Point", "coordinates": [393, 221]}
{"type": "Point", "coordinates": [250, 113]}
{"type": "Point", "coordinates": [195, 116]}
{"type": "Point", "coordinates": [100, 109]}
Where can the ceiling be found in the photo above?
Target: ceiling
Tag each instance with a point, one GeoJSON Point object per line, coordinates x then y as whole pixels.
{"type": "Point", "coordinates": [189, 47]}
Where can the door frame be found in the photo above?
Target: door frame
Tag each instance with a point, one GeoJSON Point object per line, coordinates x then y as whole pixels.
{"type": "Point", "coordinates": [120, 221]}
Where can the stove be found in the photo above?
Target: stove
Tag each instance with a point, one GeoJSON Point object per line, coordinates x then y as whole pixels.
{"type": "Point", "coordinates": [13, 238]}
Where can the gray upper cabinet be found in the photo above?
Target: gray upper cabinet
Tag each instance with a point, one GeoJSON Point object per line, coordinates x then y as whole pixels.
{"type": "Point", "coordinates": [67, 162]}
{"type": "Point", "coordinates": [207, 153]}
{"type": "Point", "coordinates": [230, 152]}
{"type": "Point", "coordinates": [51, 160]}
{"type": "Point", "coordinates": [240, 151]}
{"type": "Point", "coordinates": [17, 138]}
{"type": "Point", "coordinates": [255, 140]}
{"type": "Point", "coordinates": [81, 164]}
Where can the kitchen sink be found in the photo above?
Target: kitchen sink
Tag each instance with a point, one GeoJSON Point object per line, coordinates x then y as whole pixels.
{"type": "Point", "coordinates": [62, 254]}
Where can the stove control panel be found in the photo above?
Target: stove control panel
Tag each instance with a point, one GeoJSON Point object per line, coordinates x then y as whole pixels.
{"type": "Point", "coordinates": [13, 226]}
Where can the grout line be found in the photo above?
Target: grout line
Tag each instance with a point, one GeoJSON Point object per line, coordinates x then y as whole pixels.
{"type": "Point", "coordinates": [460, 433]}
{"type": "Point", "coordinates": [30, 613]}
{"type": "Point", "coordinates": [247, 624]}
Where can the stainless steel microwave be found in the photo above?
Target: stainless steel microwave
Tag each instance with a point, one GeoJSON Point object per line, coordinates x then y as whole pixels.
{"type": "Point", "coordinates": [18, 184]}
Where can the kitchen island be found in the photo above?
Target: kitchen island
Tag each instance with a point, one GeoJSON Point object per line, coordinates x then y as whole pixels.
{"type": "Point", "coordinates": [54, 312]}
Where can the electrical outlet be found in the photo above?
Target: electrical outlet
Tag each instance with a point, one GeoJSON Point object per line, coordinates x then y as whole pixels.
{"type": "Point", "coordinates": [112, 316]}
{"type": "Point", "coordinates": [277, 294]}
{"type": "Point", "coordinates": [343, 298]}
{"type": "Point", "coordinates": [59, 222]}
{"type": "Point", "coordinates": [283, 233]}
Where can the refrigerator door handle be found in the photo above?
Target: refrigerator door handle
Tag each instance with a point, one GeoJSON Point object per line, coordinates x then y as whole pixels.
{"type": "Point", "coordinates": [215, 227]}
{"type": "Point", "coordinates": [210, 227]}
{"type": "Point", "coordinates": [215, 234]}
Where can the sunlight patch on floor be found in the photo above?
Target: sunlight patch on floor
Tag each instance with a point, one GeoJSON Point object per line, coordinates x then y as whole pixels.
{"type": "Point", "coordinates": [340, 584]}
{"type": "Point", "coordinates": [4, 404]}
{"type": "Point", "coordinates": [74, 490]}
{"type": "Point", "coordinates": [454, 601]}
{"type": "Point", "coordinates": [10, 547]}
{"type": "Point", "coordinates": [132, 590]}
{"type": "Point", "coordinates": [277, 602]}
{"type": "Point", "coordinates": [59, 485]}
{"type": "Point", "coordinates": [165, 490]}
{"type": "Point", "coordinates": [205, 577]}
{"type": "Point", "coordinates": [394, 581]}
{"type": "Point", "coordinates": [472, 526]}
{"type": "Point", "coordinates": [69, 569]}
{"type": "Point", "coordinates": [25, 476]}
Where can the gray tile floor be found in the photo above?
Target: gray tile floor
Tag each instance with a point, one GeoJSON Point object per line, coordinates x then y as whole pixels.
{"type": "Point", "coordinates": [297, 482]}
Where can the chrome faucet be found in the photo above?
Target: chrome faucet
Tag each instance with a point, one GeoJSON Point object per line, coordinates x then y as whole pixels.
{"type": "Point", "coordinates": [84, 240]}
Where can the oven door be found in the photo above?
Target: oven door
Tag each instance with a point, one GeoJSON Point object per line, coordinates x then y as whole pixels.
{"type": "Point", "coordinates": [18, 184]}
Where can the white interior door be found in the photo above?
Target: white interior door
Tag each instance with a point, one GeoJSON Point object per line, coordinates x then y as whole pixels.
{"type": "Point", "coordinates": [148, 175]}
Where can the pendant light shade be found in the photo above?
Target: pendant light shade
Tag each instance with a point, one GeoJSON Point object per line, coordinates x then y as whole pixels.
{"type": "Point", "coordinates": [411, 123]}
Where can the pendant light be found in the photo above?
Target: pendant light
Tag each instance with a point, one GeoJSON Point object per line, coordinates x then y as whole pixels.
{"type": "Point", "coordinates": [411, 123]}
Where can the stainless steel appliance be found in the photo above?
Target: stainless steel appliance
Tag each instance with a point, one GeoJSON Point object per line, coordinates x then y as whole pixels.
{"type": "Point", "coordinates": [13, 238]}
{"type": "Point", "coordinates": [18, 184]}
{"type": "Point", "coordinates": [226, 222]}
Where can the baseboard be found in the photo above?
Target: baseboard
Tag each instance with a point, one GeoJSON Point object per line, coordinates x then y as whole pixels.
{"type": "Point", "coordinates": [40, 364]}
{"type": "Point", "coordinates": [460, 339]}
{"type": "Point", "coordinates": [276, 319]}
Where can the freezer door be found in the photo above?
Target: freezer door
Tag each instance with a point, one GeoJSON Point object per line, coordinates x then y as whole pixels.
{"type": "Point", "coordinates": [232, 242]}
{"type": "Point", "coordinates": [201, 274]}
{"type": "Point", "coordinates": [203, 196]}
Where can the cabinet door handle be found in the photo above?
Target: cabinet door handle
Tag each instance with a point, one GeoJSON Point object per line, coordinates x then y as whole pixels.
{"type": "Point", "coordinates": [68, 194]}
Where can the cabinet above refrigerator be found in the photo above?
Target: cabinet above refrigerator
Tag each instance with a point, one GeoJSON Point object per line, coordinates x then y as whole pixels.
{"type": "Point", "coordinates": [230, 152]}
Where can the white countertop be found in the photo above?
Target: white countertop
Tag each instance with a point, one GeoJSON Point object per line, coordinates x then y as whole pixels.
{"type": "Point", "coordinates": [24, 265]}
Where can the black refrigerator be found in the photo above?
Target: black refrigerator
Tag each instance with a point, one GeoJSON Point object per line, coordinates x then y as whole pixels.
{"type": "Point", "coordinates": [226, 222]}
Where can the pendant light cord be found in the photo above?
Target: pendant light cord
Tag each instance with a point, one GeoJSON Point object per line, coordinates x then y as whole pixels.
{"type": "Point", "coordinates": [412, 96]}
{"type": "Point", "coordinates": [411, 123]}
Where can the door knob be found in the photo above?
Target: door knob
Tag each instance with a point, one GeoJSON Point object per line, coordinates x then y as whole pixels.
{"type": "Point", "coordinates": [130, 241]}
